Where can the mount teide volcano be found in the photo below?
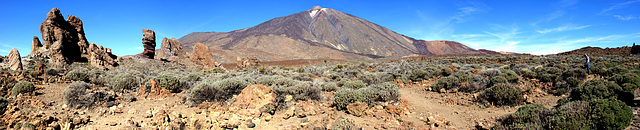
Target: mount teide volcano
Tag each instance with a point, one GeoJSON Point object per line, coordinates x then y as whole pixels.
{"type": "Point", "coordinates": [319, 33]}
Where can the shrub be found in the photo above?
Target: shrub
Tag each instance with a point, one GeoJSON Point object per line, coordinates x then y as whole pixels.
{"type": "Point", "coordinates": [498, 79]}
{"type": "Point", "coordinates": [611, 114]}
{"type": "Point", "coordinates": [346, 96]}
{"type": "Point", "coordinates": [300, 91]}
{"type": "Point", "coordinates": [490, 72]}
{"type": "Point", "coordinates": [423, 74]}
{"type": "Point", "coordinates": [76, 95]}
{"type": "Point", "coordinates": [203, 91]}
{"type": "Point", "coordinates": [23, 87]}
{"type": "Point", "coordinates": [629, 81]}
{"type": "Point", "coordinates": [329, 86]}
{"type": "Point", "coordinates": [369, 79]}
{"type": "Point", "coordinates": [387, 91]}
{"type": "Point", "coordinates": [575, 72]}
{"type": "Point", "coordinates": [354, 84]}
{"type": "Point", "coordinates": [527, 117]}
{"type": "Point", "coordinates": [446, 71]}
{"type": "Point", "coordinates": [169, 82]}
{"type": "Point", "coordinates": [191, 77]}
{"type": "Point", "coordinates": [599, 89]}
{"type": "Point", "coordinates": [303, 76]}
{"type": "Point", "coordinates": [510, 75]}
{"type": "Point", "coordinates": [573, 115]}
{"type": "Point", "coordinates": [448, 82]}
{"type": "Point", "coordinates": [217, 91]}
{"type": "Point", "coordinates": [503, 94]}
{"type": "Point", "coordinates": [124, 82]}
{"type": "Point", "coordinates": [344, 124]}
{"type": "Point", "coordinates": [77, 75]}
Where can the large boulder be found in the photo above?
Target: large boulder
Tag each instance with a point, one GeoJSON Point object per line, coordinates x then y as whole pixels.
{"type": "Point", "coordinates": [202, 56]}
{"type": "Point", "coordinates": [149, 43]}
{"type": "Point", "coordinates": [255, 96]}
{"type": "Point", "coordinates": [247, 62]}
{"type": "Point", "coordinates": [64, 42]}
{"type": "Point", "coordinates": [15, 62]}
{"type": "Point", "coordinates": [171, 50]}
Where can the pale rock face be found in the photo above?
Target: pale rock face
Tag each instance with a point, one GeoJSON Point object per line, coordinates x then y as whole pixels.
{"type": "Point", "coordinates": [14, 59]}
{"type": "Point", "coordinates": [247, 62]}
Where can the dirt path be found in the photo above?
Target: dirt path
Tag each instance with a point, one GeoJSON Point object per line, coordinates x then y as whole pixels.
{"type": "Point", "coordinates": [460, 116]}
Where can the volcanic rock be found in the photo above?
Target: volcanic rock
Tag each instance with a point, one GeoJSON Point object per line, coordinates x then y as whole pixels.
{"type": "Point", "coordinates": [247, 62]}
{"type": "Point", "coordinates": [255, 96]}
{"type": "Point", "coordinates": [635, 49]}
{"type": "Point", "coordinates": [64, 42]}
{"type": "Point", "coordinates": [36, 45]}
{"type": "Point", "coordinates": [15, 62]}
{"type": "Point", "coordinates": [202, 56]}
{"type": "Point", "coordinates": [1, 59]}
{"type": "Point", "coordinates": [357, 108]}
{"type": "Point", "coordinates": [149, 43]}
{"type": "Point", "coordinates": [171, 48]}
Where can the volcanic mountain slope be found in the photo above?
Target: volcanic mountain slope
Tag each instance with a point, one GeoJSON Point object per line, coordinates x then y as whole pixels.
{"type": "Point", "coordinates": [319, 33]}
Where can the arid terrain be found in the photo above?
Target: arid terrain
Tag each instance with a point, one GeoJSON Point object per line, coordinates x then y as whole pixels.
{"type": "Point", "coordinates": [311, 79]}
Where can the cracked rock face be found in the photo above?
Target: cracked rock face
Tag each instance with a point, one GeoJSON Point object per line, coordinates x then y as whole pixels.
{"type": "Point", "coordinates": [170, 48]}
{"type": "Point", "coordinates": [202, 56]}
{"type": "Point", "coordinates": [149, 43]}
{"type": "Point", "coordinates": [14, 59]}
{"type": "Point", "coordinates": [64, 42]}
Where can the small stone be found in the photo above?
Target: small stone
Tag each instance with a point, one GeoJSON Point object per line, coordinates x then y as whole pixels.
{"type": "Point", "coordinates": [112, 123]}
{"type": "Point", "coordinates": [251, 124]}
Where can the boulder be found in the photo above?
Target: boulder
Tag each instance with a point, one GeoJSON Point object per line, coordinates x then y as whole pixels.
{"type": "Point", "coordinates": [202, 56]}
{"type": "Point", "coordinates": [171, 50]}
{"type": "Point", "coordinates": [255, 97]}
{"type": "Point", "coordinates": [1, 59]}
{"type": "Point", "coordinates": [149, 43]}
{"type": "Point", "coordinates": [247, 62]}
{"type": "Point", "coordinates": [64, 42]}
{"type": "Point", "coordinates": [15, 62]}
{"type": "Point", "coordinates": [357, 108]}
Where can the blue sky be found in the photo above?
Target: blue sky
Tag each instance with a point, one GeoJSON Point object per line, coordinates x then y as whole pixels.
{"type": "Point", "coordinates": [525, 26]}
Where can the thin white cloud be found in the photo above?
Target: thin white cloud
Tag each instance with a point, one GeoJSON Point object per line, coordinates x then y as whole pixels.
{"type": "Point", "coordinates": [464, 12]}
{"type": "Point", "coordinates": [630, 17]}
{"type": "Point", "coordinates": [4, 51]}
{"type": "Point", "coordinates": [563, 28]}
{"type": "Point", "coordinates": [618, 6]}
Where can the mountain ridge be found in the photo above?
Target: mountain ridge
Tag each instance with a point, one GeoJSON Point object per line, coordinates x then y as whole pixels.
{"type": "Point", "coordinates": [319, 33]}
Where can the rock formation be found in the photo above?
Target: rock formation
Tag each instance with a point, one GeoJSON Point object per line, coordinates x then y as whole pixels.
{"type": "Point", "coordinates": [36, 45]}
{"type": "Point", "coordinates": [202, 56]}
{"type": "Point", "coordinates": [149, 43]}
{"type": "Point", "coordinates": [1, 59]}
{"type": "Point", "coordinates": [64, 43]}
{"type": "Point", "coordinates": [15, 62]}
{"type": "Point", "coordinates": [170, 49]}
{"type": "Point", "coordinates": [635, 49]}
{"type": "Point", "coordinates": [247, 62]}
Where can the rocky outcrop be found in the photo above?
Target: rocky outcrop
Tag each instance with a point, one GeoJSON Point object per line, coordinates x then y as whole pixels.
{"type": "Point", "coordinates": [64, 42]}
{"type": "Point", "coordinates": [171, 50]}
{"type": "Point", "coordinates": [1, 59]}
{"type": "Point", "coordinates": [255, 97]}
{"type": "Point", "coordinates": [36, 45]}
{"type": "Point", "coordinates": [15, 62]}
{"type": "Point", "coordinates": [202, 56]}
{"type": "Point", "coordinates": [149, 43]}
{"type": "Point", "coordinates": [247, 62]}
{"type": "Point", "coordinates": [635, 49]}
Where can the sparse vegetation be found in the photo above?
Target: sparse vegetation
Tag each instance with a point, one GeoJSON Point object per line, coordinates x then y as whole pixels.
{"type": "Point", "coordinates": [23, 87]}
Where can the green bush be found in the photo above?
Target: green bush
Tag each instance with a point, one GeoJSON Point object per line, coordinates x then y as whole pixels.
{"type": "Point", "coordinates": [76, 95]}
{"type": "Point", "coordinates": [369, 78]}
{"type": "Point", "coordinates": [124, 81]}
{"type": "Point", "coordinates": [599, 89]}
{"type": "Point", "coordinates": [346, 96]}
{"type": "Point", "coordinates": [354, 84]}
{"type": "Point", "coordinates": [503, 94]}
{"type": "Point", "coordinates": [77, 75]}
{"type": "Point", "coordinates": [573, 115]}
{"type": "Point", "coordinates": [527, 117]}
{"type": "Point", "coordinates": [329, 86]}
{"type": "Point", "coordinates": [217, 91]}
{"type": "Point", "coordinates": [23, 87]}
{"type": "Point", "coordinates": [498, 79]}
{"type": "Point", "coordinates": [423, 74]}
{"type": "Point", "coordinates": [611, 114]}
{"type": "Point", "coordinates": [629, 81]}
{"type": "Point", "coordinates": [203, 91]}
{"type": "Point", "coordinates": [191, 77]}
{"type": "Point", "coordinates": [169, 82]}
{"type": "Point", "coordinates": [303, 76]}
{"type": "Point", "coordinates": [510, 75]}
{"type": "Point", "coordinates": [387, 91]}
{"type": "Point", "coordinates": [446, 71]}
{"type": "Point", "coordinates": [300, 91]}
{"type": "Point", "coordinates": [448, 82]}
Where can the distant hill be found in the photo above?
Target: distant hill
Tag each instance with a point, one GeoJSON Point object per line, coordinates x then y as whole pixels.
{"type": "Point", "coordinates": [625, 50]}
{"type": "Point", "coordinates": [318, 33]}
